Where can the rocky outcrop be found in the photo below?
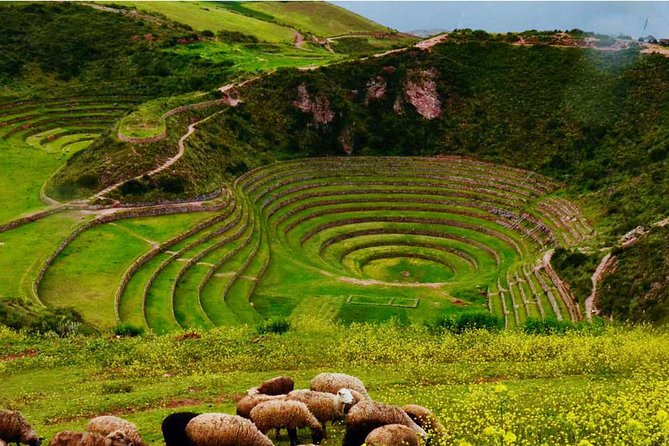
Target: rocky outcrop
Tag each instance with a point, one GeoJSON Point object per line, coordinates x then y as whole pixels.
{"type": "Point", "coordinates": [376, 88]}
{"type": "Point", "coordinates": [420, 90]}
{"type": "Point", "coordinates": [318, 107]}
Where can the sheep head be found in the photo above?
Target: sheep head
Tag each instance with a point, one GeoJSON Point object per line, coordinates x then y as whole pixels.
{"type": "Point", "coordinates": [118, 438]}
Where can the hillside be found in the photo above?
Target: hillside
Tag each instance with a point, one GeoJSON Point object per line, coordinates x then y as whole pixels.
{"type": "Point", "coordinates": [273, 22]}
{"type": "Point", "coordinates": [533, 107]}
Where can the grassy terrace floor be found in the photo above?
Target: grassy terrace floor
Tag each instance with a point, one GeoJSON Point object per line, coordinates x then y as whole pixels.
{"type": "Point", "coordinates": [605, 385]}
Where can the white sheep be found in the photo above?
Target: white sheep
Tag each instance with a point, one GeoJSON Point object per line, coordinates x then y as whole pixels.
{"type": "Point", "coordinates": [219, 429]}
{"type": "Point", "coordinates": [15, 429]}
{"type": "Point", "coordinates": [286, 414]}
{"type": "Point", "coordinates": [70, 438]}
{"type": "Point", "coordinates": [332, 382]}
{"type": "Point", "coordinates": [107, 424]}
{"type": "Point", "coordinates": [324, 406]}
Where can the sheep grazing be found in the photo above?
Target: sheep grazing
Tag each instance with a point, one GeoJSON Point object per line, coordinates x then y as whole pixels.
{"type": "Point", "coordinates": [281, 385]}
{"type": "Point", "coordinates": [15, 429]}
{"type": "Point", "coordinates": [69, 438]}
{"type": "Point", "coordinates": [174, 428]}
{"type": "Point", "coordinates": [219, 429]}
{"type": "Point", "coordinates": [366, 416]}
{"type": "Point", "coordinates": [108, 423]}
{"type": "Point", "coordinates": [324, 406]}
{"type": "Point", "coordinates": [426, 419]}
{"type": "Point", "coordinates": [392, 435]}
{"type": "Point", "coordinates": [248, 402]}
{"type": "Point", "coordinates": [332, 382]}
{"type": "Point", "coordinates": [291, 415]}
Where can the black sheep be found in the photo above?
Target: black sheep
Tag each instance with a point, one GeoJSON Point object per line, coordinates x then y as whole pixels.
{"type": "Point", "coordinates": [174, 428]}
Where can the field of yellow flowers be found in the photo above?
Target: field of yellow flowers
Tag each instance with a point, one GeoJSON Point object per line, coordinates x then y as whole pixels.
{"type": "Point", "coordinates": [605, 385]}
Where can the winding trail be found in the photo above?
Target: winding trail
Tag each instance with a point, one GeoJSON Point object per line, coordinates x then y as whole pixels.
{"type": "Point", "coordinates": [166, 164]}
{"type": "Point", "coordinates": [590, 302]}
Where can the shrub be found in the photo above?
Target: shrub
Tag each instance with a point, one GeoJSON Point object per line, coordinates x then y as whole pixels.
{"type": "Point", "coordinates": [549, 326]}
{"type": "Point", "coordinates": [115, 388]}
{"type": "Point", "coordinates": [235, 37]}
{"type": "Point", "coordinates": [465, 322]}
{"type": "Point", "coordinates": [19, 314]}
{"type": "Point", "coordinates": [275, 325]}
{"type": "Point", "coordinates": [126, 329]}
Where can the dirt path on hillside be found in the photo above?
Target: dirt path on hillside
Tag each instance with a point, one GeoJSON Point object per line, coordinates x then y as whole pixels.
{"type": "Point", "coordinates": [590, 302]}
{"type": "Point", "coordinates": [129, 12]}
{"type": "Point", "coordinates": [166, 164]}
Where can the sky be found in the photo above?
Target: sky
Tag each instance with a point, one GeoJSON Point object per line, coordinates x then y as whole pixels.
{"type": "Point", "coordinates": [599, 16]}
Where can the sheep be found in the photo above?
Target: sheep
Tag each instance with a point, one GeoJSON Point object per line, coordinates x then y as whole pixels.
{"type": "Point", "coordinates": [219, 429]}
{"type": "Point", "coordinates": [246, 403]}
{"type": "Point", "coordinates": [108, 423]}
{"type": "Point", "coordinates": [324, 406]}
{"type": "Point", "coordinates": [426, 419]}
{"type": "Point", "coordinates": [392, 435]}
{"type": "Point", "coordinates": [332, 382]}
{"type": "Point", "coordinates": [291, 415]}
{"type": "Point", "coordinates": [15, 429]}
{"type": "Point", "coordinates": [174, 428]}
{"type": "Point", "coordinates": [281, 385]}
{"type": "Point", "coordinates": [366, 416]}
{"type": "Point", "coordinates": [69, 438]}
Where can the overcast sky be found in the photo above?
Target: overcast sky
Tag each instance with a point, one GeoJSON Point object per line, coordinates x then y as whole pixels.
{"type": "Point", "coordinates": [601, 17]}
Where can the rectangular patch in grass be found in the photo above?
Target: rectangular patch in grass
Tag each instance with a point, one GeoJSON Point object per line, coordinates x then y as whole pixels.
{"type": "Point", "coordinates": [405, 302]}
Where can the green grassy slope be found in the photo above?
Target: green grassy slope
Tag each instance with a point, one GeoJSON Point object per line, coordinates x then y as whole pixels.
{"type": "Point", "coordinates": [318, 18]}
{"type": "Point", "coordinates": [208, 15]}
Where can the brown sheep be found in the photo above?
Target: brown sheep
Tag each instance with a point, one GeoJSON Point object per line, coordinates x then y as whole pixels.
{"type": "Point", "coordinates": [70, 438]}
{"type": "Point", "coordinates": [246, 403]}
{"type": "Point", "coordinates": [291, 415]}
{"type": "Point", "coordinates": [281, 385]}
{"type": "Point", "coordinates": [325, 406]}
{"type": "Point", "coordinates": [366, 416]}
{"type": "Point", "coordinates": [15, 429]}
{"type": "Point", "coordinates": [219, 429]}
{"type": "Point", "coordinates": [332, 382]}
{"type": "Point", "coordinates": [392, 435]}
{"type": "Point", "coordinates": [107, 424]}
{"type": "Point", "coordinates": [426, 419]}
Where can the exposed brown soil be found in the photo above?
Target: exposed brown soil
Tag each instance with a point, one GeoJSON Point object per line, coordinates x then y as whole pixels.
{"type": "Point", "coordinates": [24, 354]}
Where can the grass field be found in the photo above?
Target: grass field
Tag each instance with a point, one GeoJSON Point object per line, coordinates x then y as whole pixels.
{"type": "Point", "coordinates": [98, 263]}
{"type": "Point", "coordinates": [605, 386]}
